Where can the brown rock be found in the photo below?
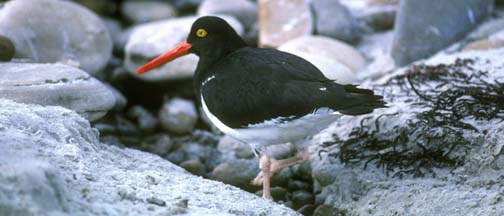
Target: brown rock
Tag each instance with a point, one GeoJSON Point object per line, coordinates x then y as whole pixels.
{"type": "Point", "coordinates": [485, 44]}
{"type": "Point", "coordinates": [7, 49]}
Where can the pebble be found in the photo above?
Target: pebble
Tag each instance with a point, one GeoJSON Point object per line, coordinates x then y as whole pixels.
{"type": "Point", "coordinates": [325, 210]}
{"type": "Point", "coordinates": [229, 145]}
{"type": "Point", "coordinates": [332, 19]}
{"type": "Point", "coordinates": [49, 31]}
{"type": "Point", "coordinates": [156, 201]}
{"type": "Point", "coordinates": [278, 193]}
{"type": "Point", "coordinates": [194, 166]}
{"type": "Point", "coordinates": [283, 20]}
{"type": "Point", "coordinates": [7, 49]}
{"type": "Point", "coordinates": [178, 115]}
{"type": "Point", "coordinates": [302, 197]}
{"type": "Point", "coordinates": [307, 209]}
{"type": "Point", "coordinates": [239, 172]}
{"type": "Point", "coordinates": [145, 120]}
{"type": "Point", "coordinates": [146, 11]}
{"type": "Point", "coordinates": [244, 10]}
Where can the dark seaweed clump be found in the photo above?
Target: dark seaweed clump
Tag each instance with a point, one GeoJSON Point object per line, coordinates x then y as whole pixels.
{"type": "Point", "coordinates": [435, 138]}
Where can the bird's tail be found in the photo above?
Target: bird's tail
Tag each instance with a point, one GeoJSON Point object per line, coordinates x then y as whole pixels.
{"type": "Point", "coordinates": [362, 101]}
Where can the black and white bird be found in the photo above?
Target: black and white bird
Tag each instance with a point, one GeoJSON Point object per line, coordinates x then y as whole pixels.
{"type": "Point", "coordinates": [263, 96]}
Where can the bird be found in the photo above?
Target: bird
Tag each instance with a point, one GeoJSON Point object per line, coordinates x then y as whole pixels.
{"type": "Point", "coordinates": [263, 96]}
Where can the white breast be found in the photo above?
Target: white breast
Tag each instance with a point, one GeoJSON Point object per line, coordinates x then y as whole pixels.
{"type": "Point", "coordinates": [271, 132]}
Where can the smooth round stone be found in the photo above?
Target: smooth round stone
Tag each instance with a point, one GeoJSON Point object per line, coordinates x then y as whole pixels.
{"type": "Point", "coordinates": [484, 44]}
{"type": "Point", "coordinates": [146, 11]}
{"type": "Point", "coordinates": [178, 115]}
{"type": "Point", "coordinates": [307, 209]}
{"type": "Point", "coordinates": [152, 39]}
{"type": "Point", "coordinates": [56, 84]}
{"type": "Point", "coordinates": [373, 3]}
{"type": "Point", "coordinates": [302, 197]}
{"type": "Point", "coordinates": [194, 166]}
{"type": "Point", "coordinates": [7, 49]}
{"type": "Point", "coordinates": [49, 31]}
{"type": "Point", "coordinates": [332, 19]}
{"type": "Point", "coordinates": [283, 20]}
{"type": "Point", "coordinates": [243, 10]}
{"type": "Point", "coordinates": [229, 145]}
{"type": "Point", "coordinates": [278, 193]}
{"type": "Point", "coordinates": [325, 210]}
{"type": "Point", "coordinates": [238, 172]}
{"type": "Point", "coordinates": [145, 120]}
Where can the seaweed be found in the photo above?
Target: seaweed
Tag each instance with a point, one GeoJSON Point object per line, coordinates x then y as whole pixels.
{"type": "Point", "coordinates": [451, 95]}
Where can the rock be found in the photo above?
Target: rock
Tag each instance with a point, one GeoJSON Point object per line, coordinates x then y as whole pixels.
{"type": "Point", "coordinates": [7, 49]}
{"type": "Point", "coordinates": [145, 119]}
{"type": "Point", "coordinates": [244, 10]}
{"type": "Point", "coordinates": [302, 197]}
{"type": "Point", "coordinates": [115, 30]}
{"type": "Point", "coordinates": [163, 36]}
{"type": "Point", "coordinates": [178, 115]}
{"type": "Point", "coordinates": [283, 20]}
{"type": "Point", "coordinates": [229, 145]}
{"type": "Point", "coordinates": [332, 19]}
{"type": "Point", "coordinates": [484, 44]}
{"type": "Point", "coordinates": [55, 84]}
{"type": "Point", "coordinates": [298, 185]}
{"type": "Point", "coordinates": [50, 31]}
{"type": "Point", "coordinates": [373, 3]}
{"type": "Point", "coordinates": [487, 29]}
{"type": "Point", "coordinates": [157, 144]}
{"type": "Point", "coordinates": [239, 172]}
{"type": "Point", "coordinates": [307, 209]}
{"type": "Point", "coordinates": [278, 193]}
{"type": "Point", "coordinates": [146, 11]}
{"type": "Point", "coordinates": [378, 18]}
{"type": "Point", "coordinates": [186, 6]}
{"type": "Point", "coordinates": [335, 59]}
{"type": "Point", "coordinates": [61, 153]}
{"type": "Point", "coordinates": [120, 99]}
{"type": "Point", "coordinates": [99, 7]}
{"type": "Point", "coordinates": [206, 154]}
{"type": "Point", "coordinates": [325, 210]}
{"type": "Point", "coordinates": [176, 157]}
{"type": "Point", "coordinates": [194, 166]}
{"type": "Point", "coordinates": [417, 22]}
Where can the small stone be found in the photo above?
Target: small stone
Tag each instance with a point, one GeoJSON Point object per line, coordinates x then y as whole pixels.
{"type": "Point", "coordinates": [307, 209]}
{"type": "Point", "coordinates": [278, 193]}
{"type": "Point", "coordinates": [244, 10]}
{"type": "Point", "coordinates": [332, 19]}
{"type": "Point", "coordinates": [283, 20]}
{"type": "Point", "coordinates": [120, 99]}
{"type": "Point", "coordinates": [146, 11]}
{"type": "Point", "coordinates": [178, 115]}
{"type": "Point", "coordinates": [7, 49]}
{"type": "Point", "coordinates": [49, 31]}
{"type": "Point", "coordinates": [325, 210]}
{"type": "Point", "coordinates": [144, 119]}
{"type": "Point", "coordinates": [374, 3]}
{"type": "Point", "coordinates": [378, 18]}
{"type": "Point", "coordinates": [176, 157]}
{"type": "Point", "coordinates": [156, 201]}
{"type": "Point", "coordinates": [298, 185]}
{"type": "Point", "coordinates": [302, 197]}
{"type": "Point", "coordinates": [485, 44]}
{"type": "Point", "coordinates": [194, 166]}
{"type": "Point", "coordinates": [238, 172]}
{"type": "Point", "coordinates": [158, 144]}
{"type": "Point", "coordinates": [229, 145]}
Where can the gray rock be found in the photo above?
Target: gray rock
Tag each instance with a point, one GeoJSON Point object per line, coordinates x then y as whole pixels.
{"type": "Point", "coordinates": [146, 11]}
{"type": "Point", "coordinates": [487, 29]}
{"type": "Point", "coordinates": [337, 60]}
{"type": "Point", "coordinates": [7, 49]}
{"type": "Point", "coordinates": [325, 210]}
{"type": "Point", "coordinates": [194, 166]}
{"type": "Point", "coordinates": [152, 39]}
{"type": "Point", "coordinates": [157, 144]}
{"type": "Point", "coordinates": [146, 120]}
{"type": "Point", "coordinates": [418, 22]}
{"type": "Point", "coordinates": [50, 31]}
{"type": "Point", "coordinates": [120, 99]}
{"type": "Point", "coordinates": [332, 19]}
{"type": "Point", "coordinates": [278, 193]}
{"type": "Point", "coordinates": [378, 18]}
{"type": "Point", "coordinates": [283, 20]}
{"type": "Point", "coordinates": [115, 30]}
{"type": "Point", "coordinates": [178, 115]}
{"type": "Point", "coordinates": [302, 197]}
{"type": "Point", "coordinates": [229, 145]}
{"type": "Point", "coordinates": [238, 172]}
{"type": "Point", "coordinates": [55, 84]}
{"type": "Point", "coordinates": [243, 10]}
{"type": "Point", "coordinates": [65, 170]}
{"type": "Point", "coordinates": [307, 209]}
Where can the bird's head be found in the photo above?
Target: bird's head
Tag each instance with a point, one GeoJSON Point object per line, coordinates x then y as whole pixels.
{"type": "Point", "coordinates": [209, 37]}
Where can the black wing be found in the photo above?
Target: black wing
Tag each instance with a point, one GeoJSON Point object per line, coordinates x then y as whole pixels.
{"type": "Point", "coordinates": [253, 85]}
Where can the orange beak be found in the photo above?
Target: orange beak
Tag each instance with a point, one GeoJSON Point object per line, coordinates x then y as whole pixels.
{"type": "Point", "coordinates": [180, 50]}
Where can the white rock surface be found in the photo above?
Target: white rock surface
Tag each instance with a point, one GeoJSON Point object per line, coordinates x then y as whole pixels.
{"type": "Point", "coordinates": [51, 31]}
{"type": "Point", "coordinates": [152, 39]}
{"type": "Point", "coordinates": [243, 10]}
{"type": "Point", "coordinates": [53, 164]}
{"type": "Point", "coordinates": [283, 20]}
{"type": "Point", "coordinates": [178, 115]}
{"type": "Point", "coordinates": [335, 59]}
{"type": "Point", "coordinates": [473, 188]}
{"type": "Point", "coordinates": [56, 84]}
{"type": "Point", "coordinates": [146, 11]}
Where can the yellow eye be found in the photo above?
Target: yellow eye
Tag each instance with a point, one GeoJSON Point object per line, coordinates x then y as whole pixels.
{"type": "Point", "coordinates": [201, 33]}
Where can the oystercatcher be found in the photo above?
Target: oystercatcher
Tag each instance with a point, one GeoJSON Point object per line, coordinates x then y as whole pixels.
{"type": "Point", "coordinates": [263, 96]}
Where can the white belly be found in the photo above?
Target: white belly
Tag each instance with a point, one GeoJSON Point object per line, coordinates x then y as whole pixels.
{"type": "Point", "coordinates": [267, 133]}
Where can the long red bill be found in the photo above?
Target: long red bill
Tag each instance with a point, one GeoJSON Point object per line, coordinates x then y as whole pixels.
{"type": "Point", "coordinates": [180, 50]}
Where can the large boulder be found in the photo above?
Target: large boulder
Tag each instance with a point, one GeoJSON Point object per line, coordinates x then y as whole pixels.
{"type": "Point", "coordinates": [56, 84]}
{"type": "Point", "coordinates": [49, 31]}
{"type": "Point", "coordinates": [53, 164]}
{"type": "Point", "coordinates": [283, 20]}
{"type": "Point", "coordinates": [437, 148]}
{"type": "Point", "coordinates": [152, 39]}
{"type": "Point", "coordinates": [420, 31]}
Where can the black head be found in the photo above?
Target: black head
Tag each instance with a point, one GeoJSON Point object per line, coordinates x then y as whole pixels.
{"type": "Point", "coordinates": [212, 35]}
{"type": "Point", "coordinates": [210, 38]}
